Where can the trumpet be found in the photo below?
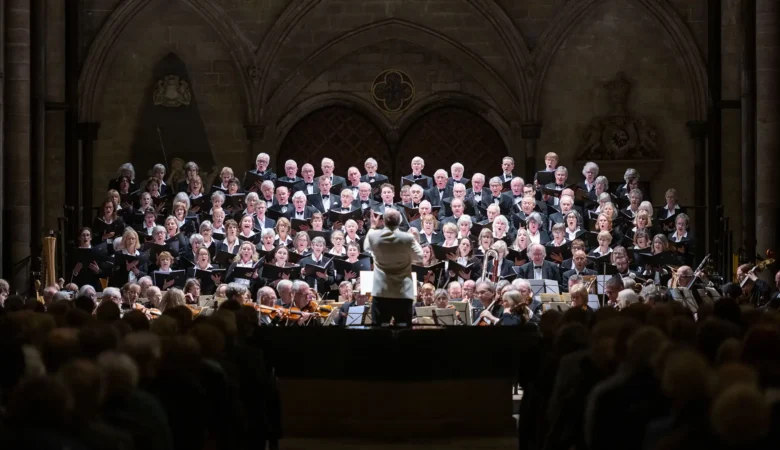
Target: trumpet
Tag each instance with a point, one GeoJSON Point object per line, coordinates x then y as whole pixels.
{"type": "Point", "coordinates": [490, 255]}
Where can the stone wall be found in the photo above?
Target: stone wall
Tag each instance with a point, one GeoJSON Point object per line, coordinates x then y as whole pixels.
{"type": "Point", "coordinates": [490, 50]}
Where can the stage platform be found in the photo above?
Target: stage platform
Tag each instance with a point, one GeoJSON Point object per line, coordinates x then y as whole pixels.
{"type": "Point", "coordinates": [387, 383]}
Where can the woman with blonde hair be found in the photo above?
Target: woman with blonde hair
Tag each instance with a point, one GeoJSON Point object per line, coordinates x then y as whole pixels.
{"type": "Point", "coordinates": [172, 298]}
{"type": "Point", "coordinates": [129, 265]}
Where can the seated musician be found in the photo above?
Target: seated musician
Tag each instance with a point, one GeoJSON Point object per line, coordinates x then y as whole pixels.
{"type": "Point", "coordinates": [514, 310]}
{"type": "Point", "coordinates": [620, 260]}
{"type": "Point", "coordinates": [506, 267]}
{"type": "Point", "coordinates": [428, 233]}
{"type": "Point", "coordinates": [300, 243]}
{"type": "Point", "coordinates": [757, 292]}
{"type": "Point", "coordinates": [350, 301]}
{"type": "Point", "coordinates": [303, 310]}
{"type": "Point", "coordinates": [192, 290]}
{"type": "Point", "coordinates": [171, 299]}
{"type": "Point", "coordinates": [231, 243]}
{"type": "Point", "coordinates": [106, 223]}
{"type": "Point", "coordinates": [266, 296]}
{"type": "Point", "coordinates": [283, 233]}
{"type": "Point", "coordinates": [337, 240]}
{"type": "Point", "coordinates": [425, 295]}
{"type": "Point", "coordinates": [485, 294]}
{"type": "Point", "coordinates": [285, 290]}
{"type": "Point", "coordinates": [153, 297]}
{"type": "Point", "coordinates": [579, 297]}
{"type": "Point", "coordinates": [604, 238]}
{"type": "Point", "coordinates": [686, 278]}
{"type": "Point", "coordinates": [580, 260]}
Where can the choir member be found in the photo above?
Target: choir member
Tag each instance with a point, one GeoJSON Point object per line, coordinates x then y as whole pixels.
{"type": "Point", "coordinates": [231, 243]}
{"type": "Point", "coordinates": [283, 232]}
{"type": "Point", "coordinates": [590, 171]}
{"type": "Point", "coordinates": [604, 239]}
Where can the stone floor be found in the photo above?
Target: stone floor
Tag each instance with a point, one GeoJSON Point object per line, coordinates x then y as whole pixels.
{"type": "Point", "coordinates": [499, 443]}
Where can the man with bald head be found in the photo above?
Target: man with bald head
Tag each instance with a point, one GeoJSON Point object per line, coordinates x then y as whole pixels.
{"type": "Point", "coordinates": [394, 253]}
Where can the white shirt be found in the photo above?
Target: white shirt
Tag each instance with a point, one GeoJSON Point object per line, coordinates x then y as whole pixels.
{"type": "Point", "coordinates": [230, 246]}
{"type": "Point", "coordinates": [538, 272]}
{"type": "Point", "coordinates": [670, 213]}
{"type": "Point", "coordinates": [598, 251]}
{"type": "Point", "coordinates": [679, 239]}
{"type": "Point", "coordinates": [220, 230]}
{"type": "Point", "coordinates": [572, 235]}
{"type": "Point", "coordinates": [534, 238]}
{"type": "Point", "coordinates": [326, 203]}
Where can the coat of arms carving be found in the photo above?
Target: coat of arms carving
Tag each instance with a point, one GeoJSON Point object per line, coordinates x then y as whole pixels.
{"type": "Point", "coordinates": [172, 92]}
{"type": "Point", "coordinates": [618, 135]}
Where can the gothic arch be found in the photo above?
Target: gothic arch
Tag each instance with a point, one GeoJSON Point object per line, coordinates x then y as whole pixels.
{"type": "Point", "coordinates": [92, 75]}
{"type": "Point", "coordinates": [328, 99]}
{"type": "Point", "coordinates": [687, 53]}
{"type": "Point", "coordinates": [509, 105]}
{"type": "Point", "coordinates": [470, 103]}
{"type": "Point", "coordinates": [297, 10]}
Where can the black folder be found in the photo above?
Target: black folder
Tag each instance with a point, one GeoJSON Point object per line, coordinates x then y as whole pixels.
{"type": "Point", "coordinates": [544, 177]}
{"type": "Point", "coordinates": [245, 273]}
{"type": "Point", "coordinates": [291, 186]}
{"type": "Point", "coordinates": [564, 251]}
{"type": "Point", "coordinates": [207, 284]}
{"type": "Point", "coordinates": [407, 181]}
{"type": "Point", "coordinates": [518, 258]}
{"type": "Point", "coordinates": [273, 272]}
{"type": "Point", "coordinates": [224, 258]}
{"type": "Point", "coordinates": [179, 277]}
{"type": "Point", "coordinates": [342, 217]}
{"type": "Point", "coordinates": [235, 202]}
{"type": "Point", "coordinates": [255, 238]}
{"type": "Point", "coordinates": [250, 178]}
{"type": "Point", "coordinates": [442, 253]}
{"type": "Point", "coordinates": [296, 224]}
{"type": "Point", "coordinates": [311, 270]}
{"type": "Point", "coordinates": [341, 266]}
{"type": "Point", "coordinates": [429, 274]}
{"type": "Point", "coordinates": [462, 271]}
{"type": "Point", "coordinates": [87, 256]}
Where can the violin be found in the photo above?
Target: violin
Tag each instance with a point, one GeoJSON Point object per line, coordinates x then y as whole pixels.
{"type": "Point", "coordinates": [151, 313]}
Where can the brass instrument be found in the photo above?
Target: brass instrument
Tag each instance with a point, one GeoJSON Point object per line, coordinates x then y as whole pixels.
{"type": "Point", "coordinates": [490, 255]}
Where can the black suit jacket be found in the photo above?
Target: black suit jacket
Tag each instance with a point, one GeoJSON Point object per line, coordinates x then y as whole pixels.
{"type": "Point", "coordinates": [485, 194]}
{"type": "Point", "coordinates": [410, 176]}
{"type": "Point", "coordinates": [279, 208]}
{"type": "Point", "coordinates": [308, 210]}
{"type": "Point", "coordinates": [268, 223]}
{"type": "Point", "coordinates": [267, 175]}
{"type": "Point", "coordinates": [302, 186]}
{"type": "Point", "coordinates": [379, 179]}
{"type": "Point", "coordinates": [432, 195]}
{"type": "Point", "coordinates": [317, 202]}
{"type": "Point", "coordinates": [463, 180]}
{"type": "Point", "coordinates": [567, 274]}
{"type": "Point", "coordinates": [550, 271]}
{"type": "Point", "coordinates": [504, 203]}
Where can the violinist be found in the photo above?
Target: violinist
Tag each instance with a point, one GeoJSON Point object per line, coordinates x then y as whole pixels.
{"type": "Point", "coordinates": [755, 292]}
{"type": "Point", "coordinates": [285, 289]}
{"type": "Point", "coordinates": [489, 309]}
{"type": "Point", "coordinates": [303, 310]}
{"type": "Point", "coordinates": [514, 311]}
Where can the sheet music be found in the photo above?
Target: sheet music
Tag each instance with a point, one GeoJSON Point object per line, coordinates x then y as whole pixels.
{"type": "Point", "coordinates": [593, 301]}
{"type": "Point", "coordinates": [464, 309]}
{"type": "Point", "coordinates": [537, 287]}
{"type": "Point", "coordinates": [551, 287]}
{"type": "Point", "coordinates": [445, 316]}
{"type": "Point", "coordinates": [355, 315]}
{"type": "Point", "coordinates": [601, 281]}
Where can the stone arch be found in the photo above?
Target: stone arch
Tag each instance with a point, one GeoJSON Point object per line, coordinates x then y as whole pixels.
{"type": "Point", "coordinates": [456, 99]}
{"type": "Point", "coordinates": [92, 75]}
{"type": "Point", "coordinates": [328, 99]}
{"type": "Point", "coordinates": [687, 53]}
{"type": "Point", "coordinates": [446, 133]}
{"type": "Point", "coordinates": [337, 131]}
{"type": "Point", "coordinates": [297, 10]}
{"type": "Point", "coordinates": [509, 105]}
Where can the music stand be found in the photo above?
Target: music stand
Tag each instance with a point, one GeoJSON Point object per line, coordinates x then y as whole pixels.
{"type": "Point", "coordinates": [464, 309]}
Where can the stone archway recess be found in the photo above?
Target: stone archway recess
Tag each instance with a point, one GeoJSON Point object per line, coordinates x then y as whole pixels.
{"type": "Point", "coordinates": [688, 55]}
{"type": "Point", "coordinates": [92, 76]}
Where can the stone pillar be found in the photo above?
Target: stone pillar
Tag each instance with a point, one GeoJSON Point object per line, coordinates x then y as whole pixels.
{"type": "Point", "coordinates": [87, 135]}
{"type": "Point", "coordinates": [254, 134]}
{"type": "Point", "coordinates": [530, 132]}
{"type": "Point", "coordinates": [698, 132]}
{"type": "Point", "coordinates": [17, 140]}
{"type": "Point", "coordinates": [768, 115]}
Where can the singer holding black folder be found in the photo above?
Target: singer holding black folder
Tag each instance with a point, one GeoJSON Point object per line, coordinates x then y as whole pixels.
{"type": "Point", "coordinates": [243, 270]}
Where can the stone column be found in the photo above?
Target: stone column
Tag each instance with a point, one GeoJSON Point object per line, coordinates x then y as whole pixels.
{"type": "Point", "coordinates": [254, 134]}
{"type": "Point", "coordinates": [768, 132]}
{"type": "Point", "coordinates": [530, 132]}
{"type": "Point", "coordinates": [698, 132]}
{"type": "Point", "coordinates": [87, 135]}
{"type": "Point", "coordinates": [17, 140]}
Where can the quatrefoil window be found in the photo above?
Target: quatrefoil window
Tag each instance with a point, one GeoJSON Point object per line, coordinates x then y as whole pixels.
{"type": "Point", "coordinates": [393, 91]}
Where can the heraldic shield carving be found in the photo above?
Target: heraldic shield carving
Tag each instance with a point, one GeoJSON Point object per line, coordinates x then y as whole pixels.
{"type": "Point", "coordinates": [618, 135]}
{"type": "Point", "coordinates": [172, 92]}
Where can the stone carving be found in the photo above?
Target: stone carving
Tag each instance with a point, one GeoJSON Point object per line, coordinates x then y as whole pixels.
{"type": "Point", "coordinates": [172, 92]}
{"type": "Point", "coordinates": [618, 135]}
{"type": "Point", "coordinates": [392, 91]}
{"type": "Point", "coordinates": [254, 74]}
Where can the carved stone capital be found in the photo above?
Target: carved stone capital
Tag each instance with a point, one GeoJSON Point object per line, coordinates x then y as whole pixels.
{"type": "Point", "coordinates": [697, 129]}
{"type": "Point", "coordinates": [531, 130]}
{"type": "Point", "coordinates": [254, 131]}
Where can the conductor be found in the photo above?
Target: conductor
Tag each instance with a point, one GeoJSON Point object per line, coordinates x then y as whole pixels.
{"type": "Point", "coordinates": [394, 252]}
